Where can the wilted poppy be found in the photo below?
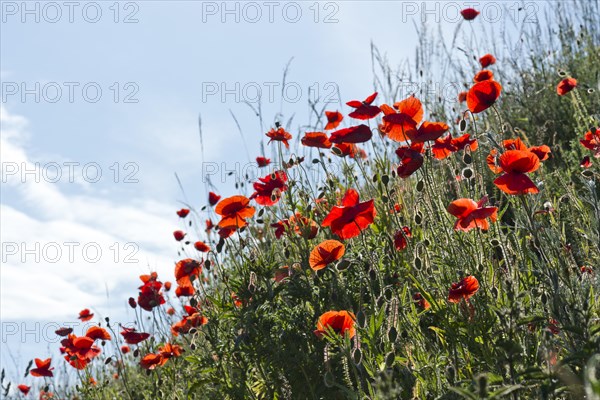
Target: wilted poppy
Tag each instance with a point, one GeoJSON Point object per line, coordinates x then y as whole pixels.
{"type": "Point", "coordinates": [325, 253]}
{"type": "Point", "coordinates": [334, 118]}
{"type": "Point", "coordinates": [401, 125]}
{"type": "Point", "coordinates": [487, 60]}
{"type": "Point", "coordinates": [42, 368]}
{"type": "Point", "coordinates": [85, 315]}
{"type": "Point", "coordinates": [281, 273]}
{"type": "Point", "coordinates": [234, 211]}
{"type": "Point", "coordinates": [469, 14]}
{"type": "Point", "coordinates": [263, 161]}
{"type": "Point", "coordinates": [483, 75]}
{"type": "Point", "coordinates": [364, 110]}
{"type": "Point", "coordinates": [349, 219]}
{"type": "Point", "coordinates": [24, 389]}
{"type": "Point", "coordinates": [591, 140]}
{"type": "Point", "coordinates": [268, 189]}
{"type": "Point", "coordinates": [565, 86]}
{"type": "Point", "coordinates": [183, 212]}
{"type": "Point", "coordinates": [213, 198]}
{"type": "Point", "coordinates": [279, 135]}
{"type": "Point", "coordinates": [131, 336]}
{"type": "Point", "coordinates": [316, 139]}
{"type": "Point", "coordinates": [400, 237]}
{"type": "Point", "coordinates": [63, 331]}
{"type": "Point", "coordinates": [472, 215]}
{"type": "Point", "coordinates": [463, 289]}
{"type": "Point", "coordinates": [96, 332]}
{"type": "Point", "coordinates": [201, 246]}
{"type": "Point", "coordinates": [186, 270]}
{"type": "Point", "coordinates": [179, 235]}
{"type": "Point", "coordinates": [516, 164]}
{"type": "Point", "coordinates": [482, 95]}
{"type": "Point", "coordinates": [355, 134]}
{"type": "Point", "coordinates": [341, 322]}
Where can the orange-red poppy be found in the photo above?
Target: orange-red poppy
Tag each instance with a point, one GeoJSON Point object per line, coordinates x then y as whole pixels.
{"type": "Point", "coordinates": [516, 164]}
{"type": "Point", "coordinates": [429, 131]}
{"type": "Point", "coordinates": [471, 215]}
{"type": "Point", "coordinates": [316, 139]}
{"type": "Point", "coordinates": [421, 301]}
{"type": "Point", "coordinates": [364, 109]}
{"type": "Point", "coordinates": [462, 97]}
{"type": "Point", "coordinates": [213, 198]}
{"type": "Point", "coordinates": [355, 134]}
{"type": "Point", "coordinates": [183, 212]}
{"type": "Point", "coordinates": [263, 161]}
{"type": "Point", "coordinates": [400, 238]}
{"type": "Point", "coordinates": [42, 368]}
{"type": "Point", "coordinates": [201, 246]}
{"type": "Point", "coordinates": [268, 189]}
{"type": "Point", "coordinates": [334, 118]}
{"type": "Point", "coordinates": [234, 211]}
{"type": "Point", "coordinates": [487, 60]}
{"type": "Point", "coordinates": [349, 219]}
{"type": "Point", "coordinates": [131, 336]}
{"type": "Point", "coordinates": [469, 14]}
{"type": "Point", "coordinates": [341, 322]}
{"type": "Point", "coordinates": [301, 225]}
{"type": "Point", "coordinates": [187, 270]}
{"type": "Point", "coordinates": [400, 126]}
{"type": "Point", "coordinates": [125, 349]}
{"type": "Point", "coordinates": [193, 320]}
{"type": "Point", "coordinates": [464, 289]}
{"type": "Point", "coordinates": [325, 253]}
{"type": "Point", "coordinates": [565, 86]}
{"type": "Point", "coordinates": [483, 95]}
{"type": "Point", "coordinates": [483, 75]}
{"type": "Point", "coordinates": [591, 140]}
{"type": "Point", "coordinates": [151, 361]}
{"type": "Point", "coordinates": [447, 145]}
{"type": "Point", "coordinates": [542, 152]}
{"type": "Point", "coordinates": [96, 332]}
{"type": "Point", "coordinates": [85, 315]}
{"type": "Point", "coordinates": [24, 389]}
{"type": "Point", "coordinates": [279, 135]}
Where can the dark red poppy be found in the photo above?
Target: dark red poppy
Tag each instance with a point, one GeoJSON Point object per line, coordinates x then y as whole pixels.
{"type": "Point", "coordinates": [42, 368]}
{"type": "Point", "coordinates": [483, 75]}
{"type": "Point", "coordinates": [213, 198]}
{"type": "Point", "coordinates": [462, 97]}
{"type": "Point", "coordinates": [183, 212]}
{"type": "Point", "coordinates": [471, 215]}
{"type": "Point", "coordinates": [341, 322]}
{"type": "Point", "coordinates": [345, 149]}
{"type": "Point", "coordinates": [487, 60]}
{"type": "Point", "coordinates": [282, 273]}
{"type": "Point", "coordinates": [179, 235]}
{"type": "Point", "coordinates": [355, 134]}
{"type": "Point", "coordinates": [469, 14]}
{"type": "Point", "coordinates": [131, 336]}
{"type": "Point", "coordinates": [316, 139]}
{"type": "Point", "coordinates": [411, 159]}
{"type": "Point", "coordinates": [565, 86]}
{"type": "Point", "coordinates": [263, 161]}
{"type": "Point", "coordinates": [268, 189]}
{"type": "Point", "coordinates": [63, 331]}
{"type": "Point", "coordinates": [516, 164]}
{"type": "Point", "coordinates": [85, 315]}
{"type": "Point", "coordinates": [591, 140]}
{"type": "Point", "coordinates": [334, 118]}
{"type": "Point", "coordinates": [586, 162]}
{"type": "Point", "coordinates": [96, 332]}
{"type": "Point", "coordinates": [464, 289]}
{"type": "Point", "coordinates": [279, 135]}
{"type": "Point", "coordinates": [400, 238]}
{"type": "Point", "coordinates": [325, 253]}
{"type": "Point", "coordinates": [234, 211]}
{"type": "Point", "coordinates": [24, 389]}
{"type": "Point", "coordinates": [349, 219]}
{"type": "Point", "coordinates": [132, 302]}
{"type": "Point", "coordinates": [186, 271]}
{"type": "Point", "coordinates": [209, 225]}
{"type": "Point", "coordinates": [401, 125]}
{"type": "Point", "coordinates": [429, 131]}
{"type": "Point", "coordinates": [364, 110]}
{"type": "Point", "coordinates": [150, 295]}
{"type": "Point", "coordinates": [483, 95]}
{"type": "Point", "coordinates": [201, 246]}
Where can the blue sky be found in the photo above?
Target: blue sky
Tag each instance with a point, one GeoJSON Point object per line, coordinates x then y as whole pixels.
{"type": "Point", "coordinates": [164, 64]}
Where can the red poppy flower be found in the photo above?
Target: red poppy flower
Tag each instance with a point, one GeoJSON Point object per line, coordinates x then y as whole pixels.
{"type": "Point", "coordinates": [355, 134]}
{"type": "Point", "coordinates": [185, 291]}
{"type": "Point", "coordinates": [586, 162]}
{"type": "Point", "coordinates": [268, 190]}
{"type": "Point", "coordinates": [411, 159]}
{"type": "Point", "coordinates": [234, 211]}
{"type": "Point", "coordinates": [209, 225]}
{"type": "Point", "coordinates": [400, 126]}
{"type": "Point", "coordinates": [132, 302]}
{"type": "Point", "coordinates": [183, 212]}
{"type": "Point", "coordinates": [516, 164]}
{"type": "Point", "coordinates": [349, 219]}
{"type": "Point", "coordinates": [151, 361]}
{"type": "Point", "coordinates": [472, 215]}
{"type": "Point", "coordinates": [301, 225]}
{"type": "Point", "coordinates": [345, 149]}
{"type": "Point", "coordinates": [400, 242]}
{"type": "Point", "coordinates": [443, 147]}
{"type": "Point", "coordinates": [334, 118]}
{"type": "Point", "coordinates": [463, 289]}
{"type": "Point", "coordinates": [80, 350]}
{"type": "Point", "coordinates": [201, 246]}
{"type": "Point", "coordinates": [342, 323]}
{"type": "Point", "coordinates": [131, 336]}
{"type": "Point", "coordinates": [591, 140]}
{"type": "Point", "coordinates": [125, 349]}
{"type": "Point", "coordinates": [421, 301]}
{"type": "Point", "coordinates": [487, 60]}
{"type": "Point", "coordinates": [279, 135]}
{"type": "Point", "coordinates": [24, 389]}
{"type": "Point", "coordinates": [482, 95]}
{"type": "Point", "coordinates": [213, 198]}
{"type": "Point", "coordinates": [42, 368]}
{"type": "Point", "coordinates": [186, 270]}
{"type": "Point", "coordinates": [316, 139]}
{"type": "Point", "coordinates": [542, 152]}
{"type": "Point", "coordinates": [96, 332]}
{"type": "Point", "coordinates": [565, 86]}
{"type": "Point", "coordinates": [462, 97]}
{"type": "Point", "coordinates": [150, 295]}
{"type": "Point", "coordinates": [167, 286]}
{"type": "Point", "coordinates": [483, 75]}
{"type": "Point", "coordinates": [63, 331]}
{"type": "Point", "coordinates": [364, 109]}
{"type": "Point", "coordinates": [325, 253]}
{"type": "Point", "coordinates": [179, 235]}
{"type": "Point", "coordinates": [85, 315]}
{"type": "Point", "coordinates": [469, 14]}
{"type": "Point", "coordinates": [263, 161]}
{"type": "Point", "coordinates": [429, 131]}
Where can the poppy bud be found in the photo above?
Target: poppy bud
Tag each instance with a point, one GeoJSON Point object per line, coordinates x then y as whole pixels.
{"type": "Point", "coordinates": [361, 319]}
{"type": "Point", "coordinates": [132, 302]}
{"type": "Point", "coordinates": [392, 334]}
{"type": "Point", "coordinates": [420, 186]}
{"type": "Point", "coordinates": [389, 359]}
